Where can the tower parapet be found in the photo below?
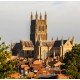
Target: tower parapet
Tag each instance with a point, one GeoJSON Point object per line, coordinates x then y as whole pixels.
{"type": "Point", "coordinates": [36, 16]}
{"type": "Point", "coordinates": [38, 28]}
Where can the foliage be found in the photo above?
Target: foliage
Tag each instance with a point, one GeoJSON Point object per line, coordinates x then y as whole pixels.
{"type": "Point", "coordinates": [27, 77]}
{"type": "Point", "coordinates": [72, 62]}
{"type": "Point", "coordinates": [6, 67]}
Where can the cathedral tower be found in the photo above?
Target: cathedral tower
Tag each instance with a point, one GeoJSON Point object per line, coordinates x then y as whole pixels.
{"type": "Point", "coordinates": [38, 29]}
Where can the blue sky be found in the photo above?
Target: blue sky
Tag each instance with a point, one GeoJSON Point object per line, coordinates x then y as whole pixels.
{"type": "Point", "coordinates": [63, 19]}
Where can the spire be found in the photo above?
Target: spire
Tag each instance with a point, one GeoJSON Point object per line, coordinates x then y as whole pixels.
{"type": "Point", "coordinates": [36, 15]}
{"type": "Point", "coordinates": [45, 16]}
{"type": "Point", "coordinates": [62, 41]}
{"type": "Point", "coordinates": [40, 16]}
{"type": "Point", "coordinates": [31, 16]}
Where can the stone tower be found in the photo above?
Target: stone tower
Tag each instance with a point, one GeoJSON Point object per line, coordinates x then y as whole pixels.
{"type": "Point", "coordinates": [38, 28]}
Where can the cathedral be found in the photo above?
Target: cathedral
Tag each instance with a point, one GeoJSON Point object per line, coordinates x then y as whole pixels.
{"type": "Point", "coordinates": [39, 47]}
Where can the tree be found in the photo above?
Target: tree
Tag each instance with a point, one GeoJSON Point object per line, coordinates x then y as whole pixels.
{"type": "Point", "coordinates": [6, 67]}
{"type": "Point", "coordinates": [72, 62]}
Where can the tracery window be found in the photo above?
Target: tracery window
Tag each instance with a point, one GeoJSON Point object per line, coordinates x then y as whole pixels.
{"type": "Point", "coordinates": [39, 28]}
{"type": "Point", "coordinates": [42, 28]}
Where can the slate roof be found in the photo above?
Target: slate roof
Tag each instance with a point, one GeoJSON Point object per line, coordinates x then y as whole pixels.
{"type": "Point", "coordinates": [47, 43]}
{"type": "Point", "coordinates": [57, 43]}
{"type": "Point", "coordinates": [16, 46]}
{"type": "Point", "coordinates": [27, 43]}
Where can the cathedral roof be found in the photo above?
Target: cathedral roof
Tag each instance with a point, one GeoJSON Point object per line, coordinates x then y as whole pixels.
{"type": "Point", "coordinates": [27, 43]}
{"type": "Point", "coordinates": [47, 43]}
{"type": "Point", "coordinates": [16, 46]}
{"type": "Point", "coordinates": [57, 43]}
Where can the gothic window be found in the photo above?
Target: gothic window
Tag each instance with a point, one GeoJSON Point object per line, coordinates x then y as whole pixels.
{"type": "Point", "coordinates": [42, 28]}
{"type": "Point", "coordinates": [39, 28]}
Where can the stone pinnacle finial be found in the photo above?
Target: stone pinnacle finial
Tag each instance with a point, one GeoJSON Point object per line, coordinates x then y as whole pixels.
{"type": "Point", "coordinates": [36, 15]}
{"type": "Point", "coordinates": [40, 16]}
{"type": "Point", "coordinates": [45, 16]}
{"type": "Point", "coordinates": [31, 16]}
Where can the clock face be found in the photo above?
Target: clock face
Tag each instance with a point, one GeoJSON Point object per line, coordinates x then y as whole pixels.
{"type": "Point", "coordinates": [44, 54]}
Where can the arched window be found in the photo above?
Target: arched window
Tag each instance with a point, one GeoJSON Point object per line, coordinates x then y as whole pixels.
{"type": "Point", "coordinates": [42, 28]}
{"type": "Point", "coordinates": [39, 28]}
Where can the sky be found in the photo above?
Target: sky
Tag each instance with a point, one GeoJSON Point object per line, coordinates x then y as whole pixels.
{"type": "Point", "coordinates": [63, 19]}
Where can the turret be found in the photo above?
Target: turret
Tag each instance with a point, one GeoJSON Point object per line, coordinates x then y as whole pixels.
{"type": "Point", "coordinates": [36, 15]}
{"type": "Point", "coordinates": [40, 16]}
{"type": "Point", "coordinates": [45, 16]}
{"type": "Point", "coordinates": [31, 16]}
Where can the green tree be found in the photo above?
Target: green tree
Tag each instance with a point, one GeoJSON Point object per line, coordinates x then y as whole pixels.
{"type": "Point", "coordinates": [6, 67]}
{"type": "Point", "coordinates": [72, 62]}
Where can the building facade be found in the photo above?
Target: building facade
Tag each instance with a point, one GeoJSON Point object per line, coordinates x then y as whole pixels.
{"type": "Point", "coordinates": [39, 46]}
{"type": "Point", "coordinates": [38, 29]}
